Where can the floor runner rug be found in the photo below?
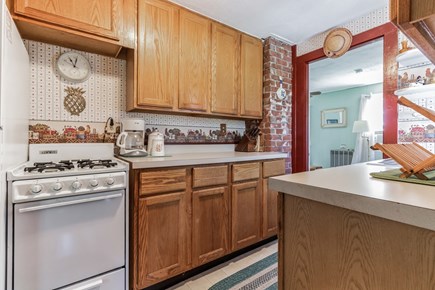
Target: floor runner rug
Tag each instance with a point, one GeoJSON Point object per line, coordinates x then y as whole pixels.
{"type": "Point", "coordinates": [262, 275]}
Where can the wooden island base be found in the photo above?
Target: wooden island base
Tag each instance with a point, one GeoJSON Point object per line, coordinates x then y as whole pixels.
{"type": "Point", "coordinates": [327, 247]}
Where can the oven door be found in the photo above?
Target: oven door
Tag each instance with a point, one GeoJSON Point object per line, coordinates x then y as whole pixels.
{"type": "Point", "coordinates": [62, 241]}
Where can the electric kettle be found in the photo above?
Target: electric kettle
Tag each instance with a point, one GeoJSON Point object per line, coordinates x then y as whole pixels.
{"type": "Point", "coordinates": [156, 144]}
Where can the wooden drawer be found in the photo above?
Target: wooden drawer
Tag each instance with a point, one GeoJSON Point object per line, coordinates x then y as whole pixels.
{"type": "Point", "coordinates": [162, 181]}
{"type": "Point", "coordinates": [273, 168]}
{"type": "Point", "coordinates": [246, 171]}
{"type": "Point", "coordinates": [207, 176]}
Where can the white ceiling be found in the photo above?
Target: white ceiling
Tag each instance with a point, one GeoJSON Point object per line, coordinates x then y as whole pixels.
{"type": "Point", "coordinates": [292, 20]}
{"type": "Point", "coordinates": [329, 74]}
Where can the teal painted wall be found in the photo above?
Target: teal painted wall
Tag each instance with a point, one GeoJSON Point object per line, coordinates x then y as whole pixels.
{"type": "Point", "coordinates": [322, 140]}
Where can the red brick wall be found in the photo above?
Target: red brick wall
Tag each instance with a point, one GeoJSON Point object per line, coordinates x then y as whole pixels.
{"type": "Point", "coordinates": [276, 123]}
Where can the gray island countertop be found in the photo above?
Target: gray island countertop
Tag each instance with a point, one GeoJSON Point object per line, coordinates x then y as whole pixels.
{"type": "Point", "coordinates": [199, 159]}
{"type": "Point", "coordinates": [352, 187]}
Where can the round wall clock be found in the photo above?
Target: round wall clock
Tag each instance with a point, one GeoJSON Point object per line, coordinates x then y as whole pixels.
{"type": "Point", "coordinates": [73, 66]}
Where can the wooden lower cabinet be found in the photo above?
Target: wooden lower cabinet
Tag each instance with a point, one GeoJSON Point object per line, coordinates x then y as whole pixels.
{"type": "Point", "coordinates": [270, 211]}
{"type": "Point", "coordinates": [245, 214]}
{"type": "Point", "coordinates": [185, 217]}
{"type": "Point", "coordinates": [210, 224]}
{"type": "Point", "coordinates": [163, 238]}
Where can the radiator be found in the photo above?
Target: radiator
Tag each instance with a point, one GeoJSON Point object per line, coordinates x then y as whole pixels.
{"type": "Point", "coordinates": [340, 157]}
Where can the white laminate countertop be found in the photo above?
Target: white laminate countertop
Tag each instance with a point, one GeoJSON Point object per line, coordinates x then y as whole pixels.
{"type": "Point", "coordinates": [353, 188]}
{"type": "Point", "coordinates": [199, 158]}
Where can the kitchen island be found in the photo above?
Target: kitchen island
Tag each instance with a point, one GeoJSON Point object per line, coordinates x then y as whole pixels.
{"type": "Point", "coordinates": [339, 228]}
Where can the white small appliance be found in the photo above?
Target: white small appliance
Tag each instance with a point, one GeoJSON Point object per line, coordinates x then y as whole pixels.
{"type": "Point", "coordinates": [156, 144]}
{"type": "Point", "coordinates": [131, 139]}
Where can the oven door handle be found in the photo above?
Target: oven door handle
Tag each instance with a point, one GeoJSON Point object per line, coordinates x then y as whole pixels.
{"type": "Point", "coordinates": [66, 203]}
{"type": "Point", "coordinates": [90, 285]}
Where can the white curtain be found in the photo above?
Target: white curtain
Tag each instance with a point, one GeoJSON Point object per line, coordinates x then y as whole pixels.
{"type": "Point", "coordinates": [362, 152]}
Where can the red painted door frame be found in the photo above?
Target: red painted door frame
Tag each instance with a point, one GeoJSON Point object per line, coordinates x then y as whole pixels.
{"type": "Point", "coordinates": [300, 98]}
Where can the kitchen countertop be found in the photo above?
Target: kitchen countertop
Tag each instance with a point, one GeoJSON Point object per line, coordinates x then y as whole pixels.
{"type": "Point", "coordinates": [199, 158]}
{"type": "Point", "coordinates": [352, 187]}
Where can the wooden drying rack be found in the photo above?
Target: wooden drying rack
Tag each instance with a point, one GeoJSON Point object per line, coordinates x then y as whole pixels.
{"type": "Point", "coordinates": [413, 158]}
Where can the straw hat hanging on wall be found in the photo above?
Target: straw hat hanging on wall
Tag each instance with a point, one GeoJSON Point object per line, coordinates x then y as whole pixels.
{"type": "Point", "coordinates": [337, 42]}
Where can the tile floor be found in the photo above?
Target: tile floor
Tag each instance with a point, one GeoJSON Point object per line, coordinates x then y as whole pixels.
{"type": "Point", "coordinates": [208, 278]}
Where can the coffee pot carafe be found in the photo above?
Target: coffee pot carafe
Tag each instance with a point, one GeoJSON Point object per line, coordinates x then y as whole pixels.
{"type": "Point", "coordinates": [131, 139]}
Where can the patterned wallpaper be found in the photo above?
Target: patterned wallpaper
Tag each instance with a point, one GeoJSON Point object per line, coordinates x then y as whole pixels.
{"type": "Point", "coordinates": [105, 95]}
{"type": "Point", "coordinates": [356, 26]}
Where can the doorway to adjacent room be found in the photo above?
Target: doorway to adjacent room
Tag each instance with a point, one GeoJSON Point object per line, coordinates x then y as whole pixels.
{"type": "Point", "coordinates": [345, 106]}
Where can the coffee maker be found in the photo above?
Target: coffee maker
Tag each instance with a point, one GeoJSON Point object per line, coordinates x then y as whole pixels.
{"type": "Point", "coordinates": [131, 139]}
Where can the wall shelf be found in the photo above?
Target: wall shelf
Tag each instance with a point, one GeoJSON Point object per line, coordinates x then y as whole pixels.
{"type": "Point", "coordinates": [425, 89]}
{"type": "Point", "coordinates": [412, 57]}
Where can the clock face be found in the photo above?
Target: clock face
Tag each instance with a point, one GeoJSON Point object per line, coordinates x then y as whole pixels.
{"type": "Point", "coordinates": [74, 67]}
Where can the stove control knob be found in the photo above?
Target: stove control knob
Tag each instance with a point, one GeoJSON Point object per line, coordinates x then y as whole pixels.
{"type": "Point", "coordinates": [93, 183]}
{"type": "Point", "coordinates": [110, 181]}
{"type": "Point", "coordinates": [36, 188]}
{"type": "Point", "coordinates": [57, 186]}
{"type": "Point", "coordinates": [76, 185]}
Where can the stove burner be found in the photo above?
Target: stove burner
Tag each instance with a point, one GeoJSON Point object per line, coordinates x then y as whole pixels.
{"type": "Point", "coordinates": [105, 163]}
{"type": "Point", "coordinates": [49, 167]}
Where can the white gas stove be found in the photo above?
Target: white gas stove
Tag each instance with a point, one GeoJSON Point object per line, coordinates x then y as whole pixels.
{"type": "Point", "coordinates": [57, 170]}
{"type": "Point", "coordinates": [67, 221]}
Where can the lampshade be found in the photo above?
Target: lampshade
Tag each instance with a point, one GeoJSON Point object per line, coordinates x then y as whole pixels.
{"type": "Point", "coordinates": [360, 126]}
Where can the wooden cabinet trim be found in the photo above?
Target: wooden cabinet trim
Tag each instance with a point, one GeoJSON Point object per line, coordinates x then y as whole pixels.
{"type": "Point", "coordinates": [246, 171]}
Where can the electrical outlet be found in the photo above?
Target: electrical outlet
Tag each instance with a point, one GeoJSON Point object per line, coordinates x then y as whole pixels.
{"type": "Point", "coordinates": [223, 129]}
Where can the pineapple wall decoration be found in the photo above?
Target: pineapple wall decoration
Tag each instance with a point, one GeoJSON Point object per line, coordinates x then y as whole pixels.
{"type": "Point", "coordinates": [74, 101]}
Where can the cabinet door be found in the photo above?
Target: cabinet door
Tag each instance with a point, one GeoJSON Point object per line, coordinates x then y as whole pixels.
{"type": "Point", "coordinates": [270, 211]}
{"type": "Point", "coordinates": [103, 18]}
{"type": "Point", "coordinates": [157, 54]}
{"type": "Point", "coordinates": [225, 70]}
{"type": "Point", "coordinates": [251, 99]}
{"type": "Point", "coordinates": [163, 238]}
{"type": "Point", "coordinates": [210, 224]}
{"type": "Point", "coordinates": [194, 61]}
{"type": "Point", "coordinates": [245, 214]}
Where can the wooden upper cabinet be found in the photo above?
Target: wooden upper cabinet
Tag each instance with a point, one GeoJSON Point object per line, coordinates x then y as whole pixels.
{"type": "Point", "coordinates": [99, 26]}
{"type": "Point", "coordinates": [251, 101]}
{"type": "Point", "coordinates": [157, 54]}
{"type": "Point", "coordinates": [194, 70]}
{"type": "Point", "coordinates": [225, 70]}
{"type": "Point", "coordinates": [93, 16]}
{"type": "Point", "coordinates": [416, 19]}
